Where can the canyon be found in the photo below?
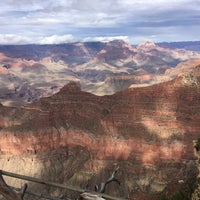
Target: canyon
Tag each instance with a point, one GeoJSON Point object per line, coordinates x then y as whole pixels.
{"type": "Point", "coordinates": [75, 137]}
{"type": "Point", "coordinates": [29, 72]}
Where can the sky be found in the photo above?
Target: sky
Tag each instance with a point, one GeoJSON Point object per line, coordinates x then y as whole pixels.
{"type": "Point", "coordinates": [62, 21]}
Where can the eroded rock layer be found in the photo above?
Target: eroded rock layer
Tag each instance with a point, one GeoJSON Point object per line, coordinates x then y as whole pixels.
{"type": "Point", "coordinates": [76, 137]}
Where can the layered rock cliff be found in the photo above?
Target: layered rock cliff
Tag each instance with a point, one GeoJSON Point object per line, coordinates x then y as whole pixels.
{"type": "Point", "coordinates": [76, 137]}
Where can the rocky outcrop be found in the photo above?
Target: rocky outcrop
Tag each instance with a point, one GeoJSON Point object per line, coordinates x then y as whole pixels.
{"type": "Point", "coordinates": [76, 137]}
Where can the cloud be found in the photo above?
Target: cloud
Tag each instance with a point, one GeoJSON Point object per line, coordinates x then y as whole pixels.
{"type": "Point", "coordinates": [13, 39]}
{"type": "Point", "coordinates": [106, 39]}
{"type": "Point", "coordinates": [54, 39]}
{"type": "Point", "coordinates": [95, 18]}
{"type": "Point", "coordinates": [10, 39]}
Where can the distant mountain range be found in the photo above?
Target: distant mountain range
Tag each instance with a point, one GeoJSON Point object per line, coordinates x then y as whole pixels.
{"type": "Point", "coordinates": [188, 45]}
{"type": "Point", "coordinates": [29, 72]}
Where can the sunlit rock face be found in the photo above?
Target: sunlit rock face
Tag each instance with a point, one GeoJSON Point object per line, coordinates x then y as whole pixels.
{"type": "Point", "coordinates": [77, 138]}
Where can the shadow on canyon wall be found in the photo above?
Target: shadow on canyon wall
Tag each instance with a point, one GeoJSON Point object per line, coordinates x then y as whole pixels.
{"type": "Point", "coordinates": [76, 138]}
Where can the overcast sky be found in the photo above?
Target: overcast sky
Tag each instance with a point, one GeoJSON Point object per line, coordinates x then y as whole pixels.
{"type": "Point", "coordinates": [58, 21]}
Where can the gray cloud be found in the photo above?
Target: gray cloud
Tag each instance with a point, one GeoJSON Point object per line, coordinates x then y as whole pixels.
{"type": "Point", "coordinates": [139, 19]}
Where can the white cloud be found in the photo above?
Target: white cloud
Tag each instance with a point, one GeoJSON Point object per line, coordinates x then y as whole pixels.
{"type": "Point", "coordinates": [13, 39]}
{"type": "Point", "coordinates": [106, 39]}
{"type": "Point", "coordinates": [9, 39]}
{"type": "Point", "coordinates": [54, 39]}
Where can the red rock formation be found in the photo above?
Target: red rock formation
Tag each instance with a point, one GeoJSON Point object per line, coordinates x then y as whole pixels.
{"type": "Point", "coordinates": [148, 131]}
{"type": "Point", "coordinates": [182, 68]}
